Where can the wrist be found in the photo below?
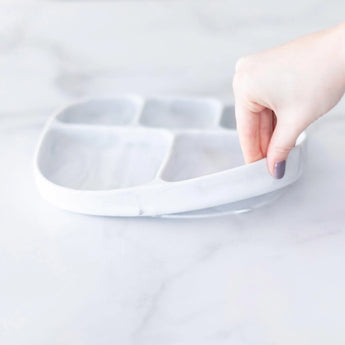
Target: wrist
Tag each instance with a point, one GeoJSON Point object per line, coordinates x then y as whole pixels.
{"type": "Point", "coordinates": [339, 43]}
{"type": "Point", "coordinates": [333, 44]}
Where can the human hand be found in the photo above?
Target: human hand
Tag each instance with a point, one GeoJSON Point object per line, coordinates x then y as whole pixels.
{"type": "Point", "coordinates": [281, 91]}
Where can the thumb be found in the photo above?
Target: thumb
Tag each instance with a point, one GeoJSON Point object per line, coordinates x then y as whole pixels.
{"type": "Point", "coordinates": [282, 141]}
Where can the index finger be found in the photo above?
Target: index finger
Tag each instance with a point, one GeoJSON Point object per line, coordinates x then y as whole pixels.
{"type": "Point", "coordinates": [248, 128]}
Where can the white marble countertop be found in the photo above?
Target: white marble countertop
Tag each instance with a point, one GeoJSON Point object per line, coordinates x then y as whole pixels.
{"type": "Point", "coordinates": [272, 276]}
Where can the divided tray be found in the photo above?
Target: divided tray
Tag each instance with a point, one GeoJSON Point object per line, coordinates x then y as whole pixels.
{"type": "Point", "coordinates": [135, 156]}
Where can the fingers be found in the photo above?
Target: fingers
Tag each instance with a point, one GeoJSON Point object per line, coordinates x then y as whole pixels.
{"type": "Point", "coordinates": [282, 141]}
{"type": "Point", "coordinates": [266, 129]}
{"type": "Point", "coordinates": [262, 135]}
{"type": "Point", "coordinates": [255, 131]}
{"type": "Point", "coordinates": [248, 128]}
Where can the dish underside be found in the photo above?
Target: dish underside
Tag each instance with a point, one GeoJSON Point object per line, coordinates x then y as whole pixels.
{"type": "Point", "coordinates": [238, 207]}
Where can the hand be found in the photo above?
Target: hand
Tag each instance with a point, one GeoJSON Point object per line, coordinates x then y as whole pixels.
{"type": "Point", "coordinates": [281, 91]}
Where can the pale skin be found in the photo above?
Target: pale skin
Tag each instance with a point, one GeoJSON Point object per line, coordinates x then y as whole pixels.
{"type": "Point", "coordinates": [279, 92]}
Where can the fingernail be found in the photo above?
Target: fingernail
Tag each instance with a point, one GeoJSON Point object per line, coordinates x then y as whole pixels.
{"type": "Point", "coordinates": [279, 169]}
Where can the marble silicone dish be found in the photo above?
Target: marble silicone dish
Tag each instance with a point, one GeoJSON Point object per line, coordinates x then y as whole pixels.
{"type": "Point", "coordinates": [131, 156]}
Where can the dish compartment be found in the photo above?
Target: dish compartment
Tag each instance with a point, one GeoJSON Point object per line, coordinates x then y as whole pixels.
{"type": "Point", "coordinates": [86, 159]}
{"type": "Point", "coordinates": [120, 111]}
{"type": "Point", "coordinates": [178, 113]}
{"type": "Point", "coordinates": [228, 119]}
{"type": "Point", "coordinates": [199, 154]}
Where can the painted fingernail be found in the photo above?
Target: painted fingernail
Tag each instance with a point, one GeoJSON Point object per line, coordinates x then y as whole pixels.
{"type": "Point", "coordinates": [279, 169]}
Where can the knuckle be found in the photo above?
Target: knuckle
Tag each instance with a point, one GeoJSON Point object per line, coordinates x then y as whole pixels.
{"type": "Point", "coordinates": [283, 150]}
{"type": "Point", "coordinates": [242, 73]}
{"type": "Point", "coordinates": [236, 82]}
{"type": "Point", "coordinates": [242, 62]}
{"type": "Point", "coordinates": [240, 81]}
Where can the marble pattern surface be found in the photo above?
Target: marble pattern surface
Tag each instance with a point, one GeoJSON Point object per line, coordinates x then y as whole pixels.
{"type": "Point", "coordinates": [273, 276]}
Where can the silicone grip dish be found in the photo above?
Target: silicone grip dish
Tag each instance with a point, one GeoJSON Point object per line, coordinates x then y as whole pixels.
{"type": "Point", "coordinates": [131, 156]}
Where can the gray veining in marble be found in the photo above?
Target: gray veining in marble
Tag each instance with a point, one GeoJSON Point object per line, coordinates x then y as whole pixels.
{"type": "Point", "coordinates": [273, 276]}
